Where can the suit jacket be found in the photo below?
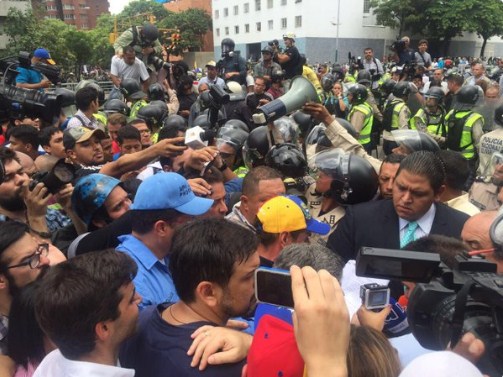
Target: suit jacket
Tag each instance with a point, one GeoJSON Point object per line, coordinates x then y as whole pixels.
{"type": "Point", "coordinates": [375, 224]}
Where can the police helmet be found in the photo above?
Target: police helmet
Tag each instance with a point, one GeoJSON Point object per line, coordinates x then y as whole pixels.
{"type": "Point", "coordinates": [267, 49]}
{"type": "Point", "coordinates": [363, 77]}
{"type": "Point", "coordinates": [90, 194]}
{"type": "Point", "coordinates": [316, 133]}
{"type": "Point", "coordinates": [202, 121]}
{"type": "Point", "coordinates": [354, 180]}
{"type": "Point", "coordinates": [348, 126]}
{"type": "Point", "coordinates": [131, 89]}
{"type": "Point", "coordinates": [414, 140]}
{"type": "Point", "coordinates": [467, 97]}
{"type": "Point", "coordinates": [303, 120]}
{"type": "Point", "coordinates": [285, 130]}
{"type": "Point", "coordinates": [401, 89]}
{"type": "Point", "coordinates": [175, 121]}
{"type": "Point", "coordinates": [327, 82]}
{"type": "Point", "coordinates": [150, 32]}
{"type": "Point", "coordinates": [338, 72]}
{"type": "Point", "coordinates": [115, 106]}
{"type": "Point", "coordinates": [287, 159]}
{"type": "Point", "coordinates": [153, 114]}
{"type": "Point", "coordinates": [236, 124]}
{"type": "Point", "coordinates": [155, 92]}
{"type": "Point", "coordinates": [498, 115]}
{"type": "Point", "coordinates": [256, 147]}
{"type": "Point", "coordinates": [227, 47]}
{"type": "Point", "coordinates": [233, 136]}
{"type": "Point", "coordinates": [95, 85]}
{"type": "Point", "coordinates": [387, 86]}
{"type": "Point", "coordinates": [359, 93]}
{"type": "Point", "coordinates": [435, 92]}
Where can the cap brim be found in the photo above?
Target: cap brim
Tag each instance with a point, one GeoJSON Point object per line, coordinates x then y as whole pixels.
{"type": "Point", "coordinates": [50, 61]}
{"type": "Point", "coordinates": [138, 95]}
{"type": "Point", "coordinates": [317, 227]}
{"type": "Point", "coordinates": [195, 207]}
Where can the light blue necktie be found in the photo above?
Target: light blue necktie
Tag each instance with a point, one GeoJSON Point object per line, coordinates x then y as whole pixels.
{"type": "Point", "coordinates": [409, 235]}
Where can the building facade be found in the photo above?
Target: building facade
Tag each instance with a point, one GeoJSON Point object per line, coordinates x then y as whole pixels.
{"type": "Point", "coordinates": [326, 31]}
{"type": "Point", "coordinates": [21, 5]}
{"type": "Point", "coordinates": [80, 13]}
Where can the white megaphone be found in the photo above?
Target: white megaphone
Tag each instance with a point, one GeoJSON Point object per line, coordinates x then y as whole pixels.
{"type": "Point", "coordinates": [301, 91]}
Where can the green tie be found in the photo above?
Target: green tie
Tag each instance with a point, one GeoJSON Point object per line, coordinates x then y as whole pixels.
{"type": "Point", "coordinates": [409, 234]}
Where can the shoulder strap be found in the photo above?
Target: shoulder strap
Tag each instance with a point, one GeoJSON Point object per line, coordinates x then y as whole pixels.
{"type": "Point", "coordinates": [135, 36]}
{"type": "Point", "coordinates": [80, 120]}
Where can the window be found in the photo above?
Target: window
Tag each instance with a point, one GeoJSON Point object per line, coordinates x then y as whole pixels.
{"type": "Point", "coordinates": [236, 29]}
{"type": "Point", "coordinates": [236, 10]}
{"type": "Point", "coordinates": [283, 2]}
{"type": "Point", "coordinates": [298, 21]}
{"type": "Point", "coordinates": [247, 28]}
{"type": "Point", "coordinates": [366, 6]}
{"type": "Point", "coordinates": [69, 17]}
{"type": "Point", "coordinates": [226, 12]}
{"type": "Point", "coordinates": [269, 4]}
{"type": "Point", "coordinates": [257, 5]}
{"type": "Point", "coordinates": [270, 24]}
{"type": "Point", "coordinates": [68, 7]}
{"type": "Point", "coordinates": [246, 7]}
{"type": "Point", "coordinates": [217, 13]}
{"type": "Point", "coordinates": [283, 23]}
{"type": "Point", "coordinates": [259, 26]}
{"type": "Point", "coordinates": [218, 32]}
{"type": "Point", "coordinates": [226, 30]}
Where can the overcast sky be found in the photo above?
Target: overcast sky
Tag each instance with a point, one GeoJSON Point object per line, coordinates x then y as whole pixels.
{"type": "Point", "coordinates": [116, 6]}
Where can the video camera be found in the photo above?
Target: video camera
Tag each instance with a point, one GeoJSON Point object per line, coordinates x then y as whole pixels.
{"type": "Point", "coordinates": [29, 102]}
{"type": "Point", "coordinates": [355, 63]}
{"type": "Point", "coordinates": [52, 72]}
{"type": "Point", "coordinates": [398, 46]}
{"type": "Point", "coordinates": [158, 63]}
{"type": "Point", "coordinates": [447, 302]}
{"type": "Point", "coordinates": [214, 99]}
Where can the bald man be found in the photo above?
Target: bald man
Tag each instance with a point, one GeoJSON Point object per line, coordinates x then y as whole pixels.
{"type": "Point", "coordinates": [475, 234]}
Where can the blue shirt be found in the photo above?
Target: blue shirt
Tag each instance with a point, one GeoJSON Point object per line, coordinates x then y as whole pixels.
{"type": "Point", "coordinates": [28, 76]}
{"type": "Point", "coordinates": [153, 280]}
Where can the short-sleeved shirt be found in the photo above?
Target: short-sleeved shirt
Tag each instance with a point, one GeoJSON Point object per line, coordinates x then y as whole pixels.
{"type": "Point", "coordinates": [153, 281]}
{"type": "Point", "coordinates": [292, 67]}
{"type": "Point", "coordinates": [28, 76]}
{"type": "Point", "coordinates": [136, 71]}
{"type": "Point", "coordinates": [217, 81]}
{"type": "Point", "coordinates": [160, 349]}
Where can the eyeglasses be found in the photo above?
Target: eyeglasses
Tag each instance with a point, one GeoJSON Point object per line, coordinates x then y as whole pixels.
{"type": "Point", "coordinates": [33, 260]}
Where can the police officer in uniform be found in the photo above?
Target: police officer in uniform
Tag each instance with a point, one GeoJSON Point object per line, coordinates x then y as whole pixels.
{"type": "Point", "coordinates": [290, 59]}
{"type": "Point", "coordinates": [431, 118]}
{"type": "Point", "coordinates": [396, 115]}
{"type": "Point", "coordinates": [232, 67]}
{"type": "Point", "coordinates": [464, 126]}
{"type": "Point", "coordinates": [361, 115]}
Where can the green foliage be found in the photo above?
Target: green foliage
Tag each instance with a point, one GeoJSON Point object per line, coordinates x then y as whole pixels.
{"type": "Point", "coordinates": [192, 23]}
{"type": "Point", "coordinates": [142, 7]}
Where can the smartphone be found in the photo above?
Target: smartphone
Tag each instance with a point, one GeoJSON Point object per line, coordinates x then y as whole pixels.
{"type": "Point", "coordinates": [273, 286]}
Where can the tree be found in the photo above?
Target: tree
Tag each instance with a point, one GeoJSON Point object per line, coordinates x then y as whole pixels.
{"type": "Point", "coordinates": [136, 8]}
{"type": "Point", "coordinates": [393, 13]}
{"type": "Point", "coordinates": [80, 47]}
{"type": "Point", "coordinates": [192, 23]}
{"type": "Point", "coordinates": [487, 20]}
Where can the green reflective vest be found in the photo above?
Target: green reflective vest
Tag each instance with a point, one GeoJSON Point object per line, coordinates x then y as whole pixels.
{"type": "Point", "coordinates": [365, 108]}
{"type": "Point", "coordinates": [136, 107]}
{"type": "Point", "coordinates": [459, 132]}
{"type": "Point", "coordinates": [434, 122]}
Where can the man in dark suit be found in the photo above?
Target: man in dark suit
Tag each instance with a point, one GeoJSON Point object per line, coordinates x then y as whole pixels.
{"type": "Point", "coordinates": [414, 211]}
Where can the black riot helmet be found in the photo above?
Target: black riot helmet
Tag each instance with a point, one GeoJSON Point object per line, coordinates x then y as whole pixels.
{"type": "Point", "coordinates": [359, 94]}
{"type": "Point", "coordinates": [401, 89]}
{"type": "Point", "coordinates": [338, 72]}
{"type": "Point", "coordinates": [364, 77]}
{"type": "Point", "coordinates": [155, 92]}
{"type": "Point", "coordinates": [131, 89]}
{"type": "Point", "coordinates": [327, 82]}
{"type": "Point", "coordinates": [467, 97]}
{"type": "Point", "coordinates": [387, 87]}
{"type": "Point", "coordinates": [231, 135]}
{"type": "Point", "coordinates": [435, 92]}
{"type": "Point", "coordinates": [202, 121]}
{"type": "Point", "coordinates": [115, 106]}
{"type": "Point", "coordinates": [149, 32]}
{"type": "Point", "coordinates": [268, 49]}
{"type": "Point", "coordinates": [227, 47]}
{"type": "Point", "coordinates": [153, 114]}
{"type": "Point", "coordinates": [95, 85]}
{"type": "Point", "coordinates": [287, 159]}
{"type": "Point", "coordinates": [348, 126]}
{"type": "Point", "coordinates": [498, 115]}
{"type": "Point", "coordinates": [175, 121]}
{"type": "Point", "coordinates": [414, 140]}
{"type": "Point", "coordinates": [354, 178]}
{"type": "Point", "coordinates": [66, 96]}
{"type": "Point", "coordinates": [237, 124]}
{"type": "Point", "coordinates": [256, 147]}
{"type": "Point", "coordinates": [305, 121]}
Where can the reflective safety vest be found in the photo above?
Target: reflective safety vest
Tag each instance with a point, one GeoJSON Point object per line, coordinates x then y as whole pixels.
{"type": "Point", "coordinates": [434, 122]}
{"type": "Point", "coordinates": [391, 113]}
{"type": "Point", "coordinates": [136, 107]}
{"type": "Point", "coordinates": [365, 108]}
{"type": "Point", "coordinates": [459, 132]}
{"type": "Point", "coordinates": [102, 118]}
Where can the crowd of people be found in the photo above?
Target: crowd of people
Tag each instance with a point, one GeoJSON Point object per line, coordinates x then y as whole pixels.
{"type": "Point", "coordinates": [132, 224]}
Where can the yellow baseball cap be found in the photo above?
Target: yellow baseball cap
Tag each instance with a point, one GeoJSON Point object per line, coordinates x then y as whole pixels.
{"type": "Point", "coordinates": [281, 214]}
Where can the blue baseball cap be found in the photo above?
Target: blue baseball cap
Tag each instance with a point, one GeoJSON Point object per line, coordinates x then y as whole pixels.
{"type": "Point", "coordinates": [313, 225]}
{"type": "Point", "coordinates": [169, 191]}
{"type": "Point", "coordinates": [42, 53]}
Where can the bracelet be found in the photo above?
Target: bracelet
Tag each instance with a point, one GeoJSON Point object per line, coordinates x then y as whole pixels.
{"type": "Point", "coordinates": [223, 167]}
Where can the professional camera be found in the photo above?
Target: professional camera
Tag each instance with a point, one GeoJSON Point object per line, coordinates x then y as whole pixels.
{"type": "Point", "coordinates": [374, 296]}
{"type": "Point", "coordinates": [158, 63]}
{"type": "Point", "coordinates": [398, 46]}
{"type": "Point", "coordinates": [214, 99]}
{"type": "Point", "coordinates": [52, 72]}
{"type": "Point", "coordinates": [274, 43]}
{"type": "Point", "coordinates": [29, 102]}
{"type": "Point", "coordinates": [375, 76]}
{"type": "Point", "coordinates": [61, 174]}
{"type": "Point", "coordinates": [448, 302]}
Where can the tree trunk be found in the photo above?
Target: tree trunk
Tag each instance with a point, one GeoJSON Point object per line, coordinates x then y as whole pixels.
{"type": "Point", "coordinates": [483, 48]}
{"type": "Point", "coordinates": [447, 43]}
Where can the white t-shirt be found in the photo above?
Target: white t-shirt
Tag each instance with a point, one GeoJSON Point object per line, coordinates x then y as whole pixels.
{"type": "Point", "coordinates": [136, 71]}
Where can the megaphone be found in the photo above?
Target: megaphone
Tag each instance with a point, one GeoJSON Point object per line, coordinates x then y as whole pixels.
{"type": "Point", "coordinates": [301, 91]}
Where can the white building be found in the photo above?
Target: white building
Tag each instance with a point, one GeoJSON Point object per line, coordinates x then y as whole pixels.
{"type": "Point", "coordinates": [321, 30]}
{"type": "Point", "coordinates": [5, 5]}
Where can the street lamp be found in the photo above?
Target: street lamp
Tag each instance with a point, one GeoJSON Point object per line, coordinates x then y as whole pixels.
{"type": "Point", "coordinates": [336, 24]}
